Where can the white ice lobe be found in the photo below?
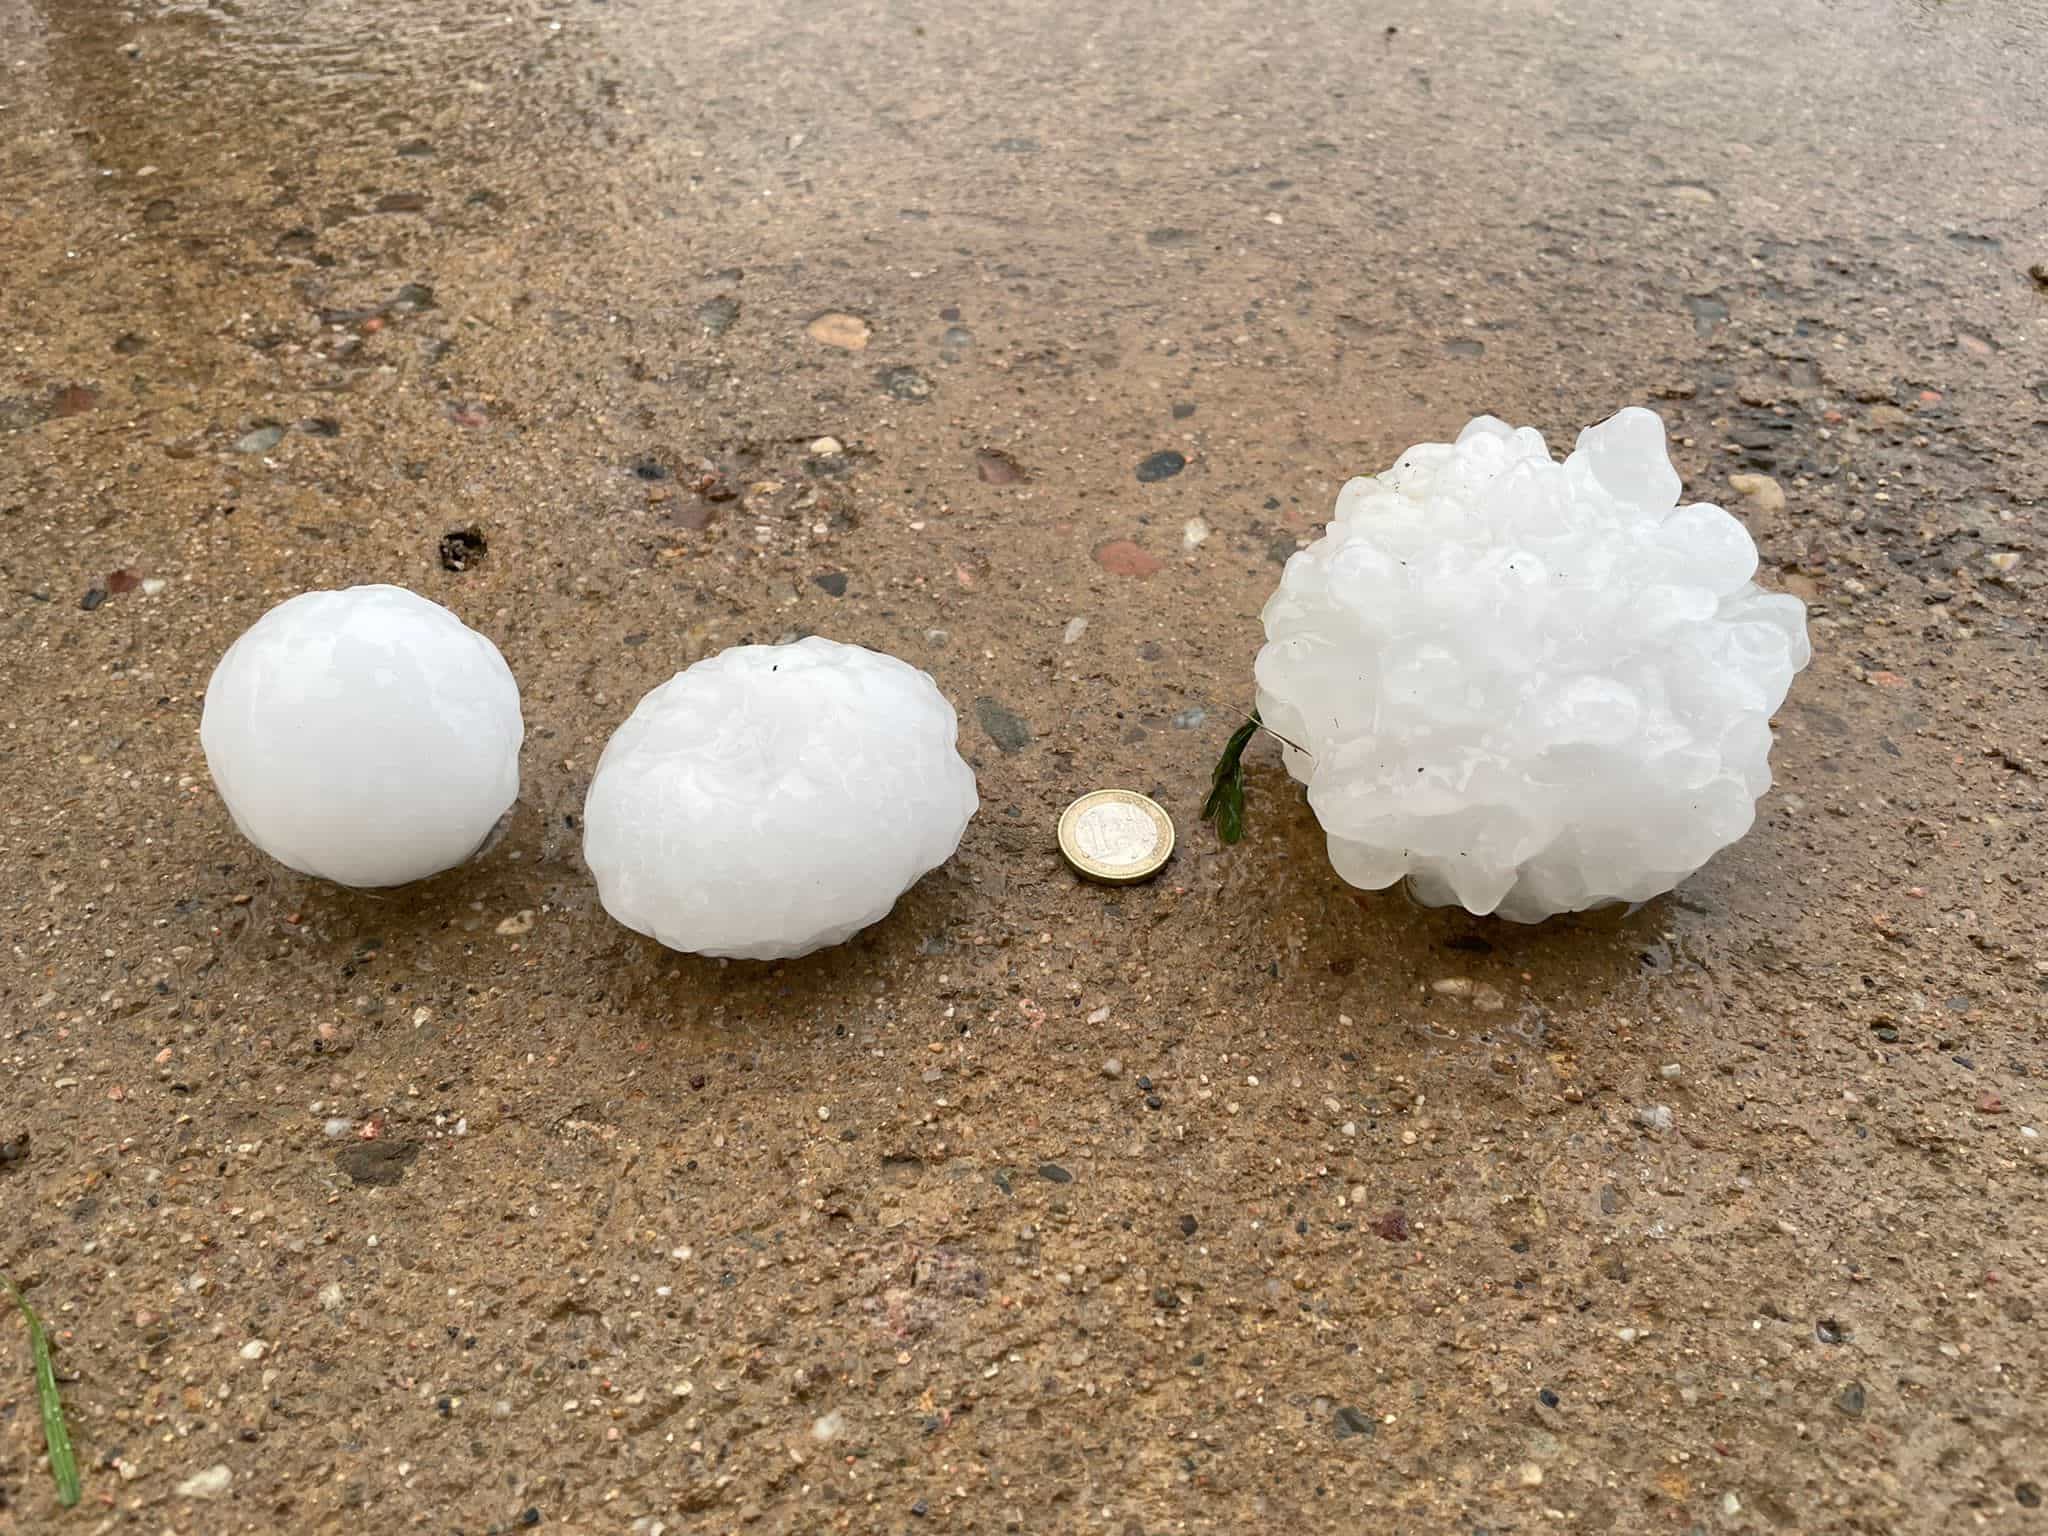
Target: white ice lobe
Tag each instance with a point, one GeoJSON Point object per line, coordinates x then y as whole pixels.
{"type": "Point", "coordinates": [776, 799]}
{"type": "Point", "coordinates": [367, 736]}
{"type": "Point", "coordinates": [1529, 687]}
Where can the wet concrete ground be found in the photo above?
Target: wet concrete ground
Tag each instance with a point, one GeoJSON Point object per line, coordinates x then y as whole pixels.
{"type": "Point", "coordinates": [462, 1209]}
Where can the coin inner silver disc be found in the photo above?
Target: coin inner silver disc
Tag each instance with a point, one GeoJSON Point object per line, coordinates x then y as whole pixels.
{"type": "Point", "coordinates": [1116, 833]}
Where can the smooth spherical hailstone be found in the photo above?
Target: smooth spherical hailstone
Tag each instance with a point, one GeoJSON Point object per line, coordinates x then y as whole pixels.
{"type": "Point", "coordinates": [775, 799]}
{"type": "Point", "coordinates": [366, 736]}
{"type": "Point", "coordinates": [1528, 687]}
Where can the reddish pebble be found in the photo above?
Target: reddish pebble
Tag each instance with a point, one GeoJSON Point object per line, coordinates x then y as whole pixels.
{"type": "Point", "coordinates": [1887, 680]}
{"type": "Point", "coordinates": [1392, 1225]}
{"type": "Point", "coordinates": [1989, 1103]}
{"type": "Point", "coordinates": [1120, 557]}
{"type": "Point", "coordinates": [1930, 397]}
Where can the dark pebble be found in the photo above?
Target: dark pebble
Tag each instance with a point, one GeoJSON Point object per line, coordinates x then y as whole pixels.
{"type": "Point", "coordinates": [1153, 1101]}
{"type": "Point", "coordinates": [1707, 312]}
{"type": "Point", "coordinates": [650, 469]}
{"type": "Point", "coordinates": [1350, 1421]}
{"type": "Point", "coordinates": [1851, 1400]}
{"type": "Point", "coordinates": [94, 596]}
{"type": "Point", "coordinates": [994, 467]}
{"type": "Point", "coordinates": [1005, 729]}
{"type": "Point", "coordinates": [918, 1509]}
{"type": "Point", "coordinates": [15, 1152]}
{"type": "Point", "coordinates": [376, 1162]}
{"type": "Point", "coordinates": [1547, 1398]}
{"type": "Point", "coordinates": [529, 1516]}
{"type": "Point", "coordinates": [1163, 465]}
{"type": "Point", "coordinates": [1188, 1225]}
{"type": "Point", "coordinates": [413, 298]}
{"type": "Point", "coordinates": [905, 384]}
{"type": "Point", "coordinates": [1165, 1300]}
{"type": "Point", "coordinates": [1392, 1225]}
{"type": "Point", "coordinates": [1053, 1173]}
{"type": "Point", "coordinates": [717, 315]}
{"type": "Point", "coordinates": [1183, 409]}
{"type": "Point", "coordinates": [1282, 549]}
{"type": "Point", "coordinates": [1828, 1331]}
{"type": "Point", "coordinates": [463, 548]}
{"type": "Point", "coordinates": [833, 582]}
{"type": "Point", "coordinates": [2028, 1494]}
{"type": "Point", "coordinates": [1888, 1033]}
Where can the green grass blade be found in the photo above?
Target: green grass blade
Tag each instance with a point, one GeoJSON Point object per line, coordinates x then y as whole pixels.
{"type": "Point", "coordinates": [1225, 805]}
{"type": "Point", "coordinates": [63, 1465]}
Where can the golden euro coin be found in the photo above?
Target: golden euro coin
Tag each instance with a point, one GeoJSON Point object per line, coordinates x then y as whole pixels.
{"type": "Point", "coordinates": [1116, 837]}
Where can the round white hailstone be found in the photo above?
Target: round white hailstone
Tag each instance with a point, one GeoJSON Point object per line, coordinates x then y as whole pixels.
{"type": "Point", "coordinates": [776, 799]}
{"type": "Point", "coordinates": [366, 736]}
{"type": "Point", "coordinates": [1529, 687]}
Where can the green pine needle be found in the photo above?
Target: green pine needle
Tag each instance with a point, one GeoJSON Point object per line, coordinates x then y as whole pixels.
{"type": "Point", "coordinates": [1225, 805]}
{"type": "Point", "coordinates": [63, 1465]}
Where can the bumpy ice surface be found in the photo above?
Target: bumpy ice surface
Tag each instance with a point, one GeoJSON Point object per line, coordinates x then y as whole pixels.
{"type": "Point", "coordinates": [367, 736]}
{"type": "Point", "coordinates": [1529, 687]}
{"type": "Point", "coordinates": [775, 799]}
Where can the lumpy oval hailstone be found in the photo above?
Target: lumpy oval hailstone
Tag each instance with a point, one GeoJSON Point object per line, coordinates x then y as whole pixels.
{"type": "Point", "coordinates": [366, 736]}
{"type": "Point", "coordinates": [1529, 687]}
{"type": "Point", "coordinates": [775, 799]}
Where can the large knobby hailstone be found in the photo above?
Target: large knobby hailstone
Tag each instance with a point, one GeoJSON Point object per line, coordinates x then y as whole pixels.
{"type": "Point", "coordinates": [1529, 687]}
{"type": "Point", "coordinates": [775, 799]}
{"type": "Point", "coordinates": [366, 736]}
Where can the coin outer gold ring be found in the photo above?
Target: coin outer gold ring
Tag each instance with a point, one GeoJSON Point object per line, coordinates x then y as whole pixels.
{"type": "Point", "coordinates": [1092, 866]}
